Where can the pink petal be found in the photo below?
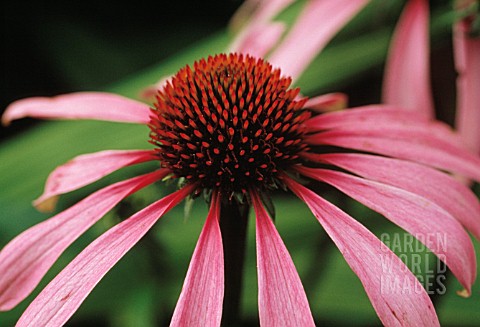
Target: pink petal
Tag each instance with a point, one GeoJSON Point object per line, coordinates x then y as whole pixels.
{"type": "Point", "coordinates": [407, 72]}
{"type": "Point", "coordinates": [201, 300]}
{"type": "Point", "coordinates": [417, 215]}
{"type": "Point", "coordinates": [82, 105]}
{"type": "Point", "coordinates": [65, 293]}
{"type": "Point", "coordinates": [327, 102]}
{"type": "Point", "coordinates": [281, 297]}
{"type": "Point", "coordinates": [385, 121]}
{"type": "Point", "coordinates": [373, 114]}
{"type": "Point", "coordinates": [467, 62]}
{"type": "Point", "coordinates": [429, 150]}
{"type": "Point", "coordinates": [26, 259]}
{"type": "Point", "coordinates": [424, 131]}
{"type": "Point", "coordinates": [258, 39]}
{"type": "Point", "coordinates": [88, 168]}
{"type": "Point", "coordinates": [446, 191]}
{"type": "Point", "coordinates": [316, 25]}
{"type": "Point", "coordinates": [395, 293]}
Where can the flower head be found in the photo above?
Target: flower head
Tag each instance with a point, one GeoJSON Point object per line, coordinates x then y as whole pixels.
{"type": "Point", "coordinates": [230, 123]}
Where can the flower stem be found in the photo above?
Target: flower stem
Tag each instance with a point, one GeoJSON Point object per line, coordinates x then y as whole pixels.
{"type": "Point", "coordinates": [233, 224]}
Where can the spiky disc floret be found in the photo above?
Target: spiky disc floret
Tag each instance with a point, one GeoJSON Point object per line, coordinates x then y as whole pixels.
{"type": "Point", "coordinates": [231, 122]}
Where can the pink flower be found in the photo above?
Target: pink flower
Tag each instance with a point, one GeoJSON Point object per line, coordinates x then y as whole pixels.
{"type": "Point", "coordinates": [407, 73]}
{"type": "Point", "coordinates": [232, 126]}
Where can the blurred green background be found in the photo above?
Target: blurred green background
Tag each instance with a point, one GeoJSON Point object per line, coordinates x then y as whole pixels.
{"type": "Point", "coordinates": [122, 47]}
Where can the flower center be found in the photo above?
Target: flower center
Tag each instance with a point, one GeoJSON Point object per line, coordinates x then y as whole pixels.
{"type": "Point", "coordinates": [231, 123]}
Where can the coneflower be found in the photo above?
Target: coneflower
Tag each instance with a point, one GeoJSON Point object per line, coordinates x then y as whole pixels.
{"type": "Point", "coordinates": [231, 129]}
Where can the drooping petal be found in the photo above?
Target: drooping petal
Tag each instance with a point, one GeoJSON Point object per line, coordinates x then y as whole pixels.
{"type": "Point", "coordinates": [88, 168]}
{"type": "Point", "coordinates": [81, 105]}
{"type": "Point", "coordinates": [407, 72]}
{"type": "Point", "coordinates": [281, 298]}
{"type": "Point", "coordinates": [316, 25]}
{"type": "Point", "coordinates": [201, 300]}
{"type": "Point", "coordinates": [467, 63]}
{"type": "Point", "coordinates": [259, 39]}
{"type": "Point", "coordinates": [429, 151]}
{"type": "Point", "coordinates": [327, 102]}
{"type": "Point", "coordinates": [422, 218]}
{"type": "Point", "coordinates": [373, 114]}
{"type": "Point", "coordinates": [423, 131]}
{"type": "Point", "coordinates": [377, 121]}
{"type": "Point", "coordinates": [430, 183]}
{"type": "Point", "coordinates": [26, 259]}
{"type": "Point", "coordinates": [396, 295]}
{"type": "Point", "coordinates": [65, 293]}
